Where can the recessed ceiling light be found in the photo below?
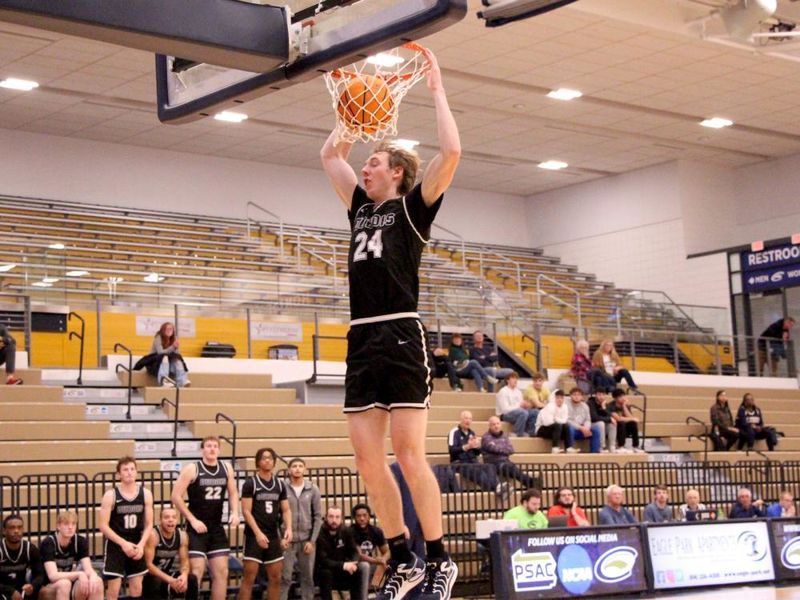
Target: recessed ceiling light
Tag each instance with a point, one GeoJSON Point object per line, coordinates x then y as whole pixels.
{"type": "Point", "coordinates": [384, 59]}
{"type": "Point", "coordinates": [230, 116]}
{"type": "Point", "coordinates": [405, 144]}
{"type": "Point", "coordinates": [76, 273]}
{"type": "Point", "coordinates": [49, 279]}
{"type": "Point", "coordinates": [42, 284]}
{"type": "Point", "coordinates": [22, 85]}
{"type": "Point", "coordinates": [553, 165]}
{"type": "Point", "coordinates": [153, 278]}
{"type": "Point", "coordinates": [564, 94]}
{"type": "Point", "coordinates": [56, 246]}
{"type": "Point", "coordinates": [6, 268]}
{"type": "Point", "coordinates": [716, 123]}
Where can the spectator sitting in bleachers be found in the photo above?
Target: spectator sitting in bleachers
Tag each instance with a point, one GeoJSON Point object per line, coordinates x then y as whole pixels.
{"type": "Point", "coordinates": [373, 548]}
{"type": "Point", "coordinates": [552, 423]}
{"type": "Point", "coordinates": [691, 506]}
{"type": "Point", "coordinates": [305, 504]}
{"type": "Point", "coordinates": [659, 511]}
{"type": "Point", "coordinates": [171, 367]}
{"type": "Point", "coordinates": [608, 369]}
{"type": "Point", "coordinates": [465, 449]}
{"type": "Point", "coordinates": [614, 513]}
{"type": "Point", "coordinates": [497, 450]}
{"type": "Point", "coordinates": [627, 424]}
{"type": "Point", "coordinates": [512, 407]}
{"type": "Point", "coordinates": [8, 355]}
{"type": "Point", "coordinates": [750, 422]}
{"type": "Point", "coordinates": [487, 358]}
{"type": "Point", "coordinates": [566, 505]}
{"type": "Point", "coordinates": [338, 566]}
{"type": "Point", "coordinates": [444, 368]}
{"type": "Point", "coordinates": [537, 394]}
{"type": "Point", "coordinates": [723, 434]}
{"type": "Point", "coordinates": [745, 507]}
{"type": "Point", "coordinates": [21, 572]}
{"type": "Point", "coordinates": [580, 421]}
{"type": "Point", "coordinates": [68, 571]}
{"type": "Point", "coordinates": [784, 507]}
{"type": "Point", "coordinates": [598, 411]}
{"type": "Point", "coordinates": [465, 367]}
{"type": "Point", "coordinates": [528, 513]}
{"type": "Point", "coordinates": [581, 367]}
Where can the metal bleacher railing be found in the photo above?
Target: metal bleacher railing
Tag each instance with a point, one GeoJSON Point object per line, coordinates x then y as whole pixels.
{"type": "Point", "coordinates": [38, 498]}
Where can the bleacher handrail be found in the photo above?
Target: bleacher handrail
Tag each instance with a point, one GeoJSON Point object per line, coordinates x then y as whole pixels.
{"type": "Point", "coordinates": [79, 336]}
{"type": "Point", "coordinates": [250, 204]}
{"type": "Point", "coordinates": [540, 292]}
{"type": "Point", "coordinates": [231, 442]}
{"type": "Point", "coordinates": [176, 405]}
{"type": "Point", "coordinates": [460, 238]}
{"type": "Point", "coordinates": [129, 371]}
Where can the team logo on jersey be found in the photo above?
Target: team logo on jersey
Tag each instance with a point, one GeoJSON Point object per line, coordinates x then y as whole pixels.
{"type": "Point", "coordinates": [374, 221]}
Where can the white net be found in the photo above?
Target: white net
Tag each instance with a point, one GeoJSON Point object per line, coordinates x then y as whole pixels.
{"type": "Point", "coordinates": [366, 95]}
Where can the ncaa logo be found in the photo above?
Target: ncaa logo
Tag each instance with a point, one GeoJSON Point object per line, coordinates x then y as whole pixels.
{"type": "Point", "coordinates": [533, 571]}
{"type": "Point", "coordinates": [616, 564]}
{"type": "Point", "coordinates": [790, 554]}
{"type": "Point", "coordinates": [575, 570]}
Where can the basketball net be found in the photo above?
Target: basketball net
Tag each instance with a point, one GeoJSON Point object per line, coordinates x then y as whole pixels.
{"type": "Point", "coordinates": [376, 114]}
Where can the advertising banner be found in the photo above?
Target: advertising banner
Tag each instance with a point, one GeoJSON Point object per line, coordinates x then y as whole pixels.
{"type": "Point", "coordinates": [560, 563]}
{"type": "Point", "coordinates": [709, 553]}
{"type": "Point", "coordinates": [276, 331]}
{"type": "Point", "coordinates": [786, 537]}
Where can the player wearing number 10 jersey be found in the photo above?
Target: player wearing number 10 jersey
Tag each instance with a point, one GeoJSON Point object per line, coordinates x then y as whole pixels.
{"type": "Point", "coordinates": [388, 360]}
{"type": "Point", "coordinates": [206, 483]}
{"type": "Point", "coordinates": [126, 519]}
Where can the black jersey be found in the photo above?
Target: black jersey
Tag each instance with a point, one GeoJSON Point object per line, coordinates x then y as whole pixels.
{"type": "Point", "coordinates": [386, 246]}
{"type": "Point", "coordinates": [66, 558]}
{"type": "Point", "coordinates": [207, 492]}
{"type": "Point", "coordinates": [167, 551]}
{"type": "Point", "coordinates": [267, 497]}
{"type": "Point", "coordinates": [127, 516]}
{"type": "Point", "coordinates": [14, 565]}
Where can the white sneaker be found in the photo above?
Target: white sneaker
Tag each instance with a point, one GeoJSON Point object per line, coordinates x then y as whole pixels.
{"type": "Point", "coordinates": [572, 450]}
{"type": "Point", "coordinates": [556, 450]}
{"type": "Point", "coordinates": [167, 382]}
{"type": "Point", "coordinates": [492, 380]}
{"type": "Point", "coordinates": [605, 451]}
{"type": "Point", "coordinates": [623, 451]}
{"type": "Point", "coordinates": [638, 451]}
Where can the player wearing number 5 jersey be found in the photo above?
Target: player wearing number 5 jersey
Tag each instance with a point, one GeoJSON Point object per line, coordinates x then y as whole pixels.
{"type": "Point", "coordinates": [126, 519]}
{"type": "Point", "coordinates": [206, 483]}
{"type": "Point", "coordinates": [266, 508]}
{"type": "Point", "coordinates": [388, 381]}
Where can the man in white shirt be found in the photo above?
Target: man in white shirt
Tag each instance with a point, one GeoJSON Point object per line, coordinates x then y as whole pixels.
{"type": "Point", "coordinates": [512, 408]}
{"type": "Point", "coordinates": [552, 423]}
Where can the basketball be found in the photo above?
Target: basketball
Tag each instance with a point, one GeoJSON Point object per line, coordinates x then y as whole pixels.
{"type": "Point", "coordinates": [366, 104]}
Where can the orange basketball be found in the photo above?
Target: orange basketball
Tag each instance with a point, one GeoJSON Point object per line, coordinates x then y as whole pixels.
{"type": "Point", "coordinates": [366, 104]}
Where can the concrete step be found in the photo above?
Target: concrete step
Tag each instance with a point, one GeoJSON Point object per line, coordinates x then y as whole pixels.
{"type": "Point", "coordinates": [48, 430]}
{"type": "Point", "coordinates": [140, 412]}
{"type": "Point", "coordinates": [30, 393]}
{"type": "Point", "coordinates": [195, 395]}
{"type": "Point", "coordinates": [30, 376]}
{"type": "Point", "coordinates": [203, 380]}
{"type": "Point", "coordinates": [158, 449]}
{"type": "Point", "coordinates": [142, 431]}
{"type": "Point", "coordinates": [101, 395]}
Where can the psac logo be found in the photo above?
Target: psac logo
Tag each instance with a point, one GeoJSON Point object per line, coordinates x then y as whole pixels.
{"type": "Point", "coordinates": [616, 564]}
{"type": "Point", "coordinates": [533, 571]}
{"type": "Point", "coordinates": [790, 555]}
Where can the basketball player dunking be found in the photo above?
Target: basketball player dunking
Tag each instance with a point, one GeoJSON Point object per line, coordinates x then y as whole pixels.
{"type": "Point", "coordinates": [388, 382]}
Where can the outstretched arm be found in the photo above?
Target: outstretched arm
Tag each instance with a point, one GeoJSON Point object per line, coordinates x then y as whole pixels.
{"type": "Point", "coordinates": [442, 168]}
{"type": "Point", "coordinates": [341, 174]}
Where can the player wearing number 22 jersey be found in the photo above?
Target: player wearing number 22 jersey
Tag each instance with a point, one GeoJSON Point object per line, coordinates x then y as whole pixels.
{"type": "Point", "coordinates": [126, 519]}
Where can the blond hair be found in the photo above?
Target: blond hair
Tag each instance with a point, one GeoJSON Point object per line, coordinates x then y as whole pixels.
{"type": "Point", "coordinates": [597, 359]}
{"type": "Point", "coordinates": [67, 516]}
{"type": "Point", "coordinates": [408, 160]}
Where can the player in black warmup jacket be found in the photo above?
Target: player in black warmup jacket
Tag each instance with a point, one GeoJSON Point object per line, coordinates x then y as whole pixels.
{"type": "Point", "coordinates": [388, 360]}
{"type": "Point", "coordinates": [165, 577]}
{"type": "Point", "coordinates": [126, 519]}
{"type": "Point", "coordinates": [18, 557]}
{"type": "Point", "coordinates": [265, 508]}
{"type": "Point", "coordinates": [206, 482]}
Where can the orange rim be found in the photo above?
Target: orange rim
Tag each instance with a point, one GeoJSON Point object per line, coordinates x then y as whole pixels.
{"type": "Point", "coordinates": [345, 74]}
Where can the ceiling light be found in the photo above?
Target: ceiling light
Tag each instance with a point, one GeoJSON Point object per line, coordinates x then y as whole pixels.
{"type": "Point", "coordinates": [42, 284]}
{"type": "Point", "coordinates": [384, 59]}
{"type": "Point", "coordinates": [7, 268]}
{"type": "Point", "coordinates": [49, 279]}
{"type": "Point", "coordinates": [564, 94]}
{"type": "Point", "coordinates": [553, 165]}
{"type": "Point", "coordinates": [23, 85]}
{"type": "Point", "coordinates": [76, 273]}
{"type": "Point", "coordinates": [153, 278]}
{"type": "Point", "coordinates": [716, 123]}
{"type": "Point", "coordinates": [742, 19]}
{"type": "Point", "coordinates": [230, 116]}
{"type": "Point", "coordinates": [405, 144]}
{"type": "Point", "coordinates": [56, 246]}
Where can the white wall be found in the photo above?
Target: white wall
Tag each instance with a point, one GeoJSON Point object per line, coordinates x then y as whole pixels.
{"type": "Point", "coordinates": [44, 166]}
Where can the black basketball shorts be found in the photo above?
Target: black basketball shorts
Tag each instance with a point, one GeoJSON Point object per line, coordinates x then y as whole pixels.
{"type": "Point", "coordinates": [210, 544]}
{"type": "Point", "coordinates": [117, 564]}
{"type": "Point", "coordinates": [388, 366]}
{"type": "Point", "coordinates": [253, 552]}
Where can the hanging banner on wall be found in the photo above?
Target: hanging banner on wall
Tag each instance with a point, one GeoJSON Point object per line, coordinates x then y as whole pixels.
{"type": "Point", "coordinates": [276, 331]}
{"type": "Point", "coordinates": [149, 326]}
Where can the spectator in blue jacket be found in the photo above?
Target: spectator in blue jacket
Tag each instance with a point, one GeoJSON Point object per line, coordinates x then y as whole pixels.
{"type": "Point", "coordinates": [745, 507]}
{"type": "Point", "coordinates": [465, 449]}
{"type": "Point", "coordinates": [784, 508]}
{"type": "Point", "coordinates": [614, 513]}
